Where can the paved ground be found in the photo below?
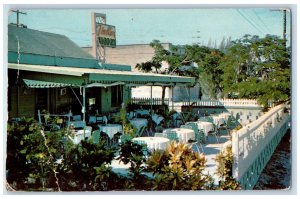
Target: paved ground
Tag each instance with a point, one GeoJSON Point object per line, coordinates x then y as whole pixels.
{"type": "Point", "coordinates": [211, 149]}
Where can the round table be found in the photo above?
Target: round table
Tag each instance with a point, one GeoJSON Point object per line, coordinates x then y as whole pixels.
{"type": "Point", "coordinates": [225, 116]}
{"type": "Point", "coordinates": [138, 123]}
{"type": "Point", "coordinates": [205, 126]}
{"type": "Point", "coordinates": [183, 134]}
{"type": "Point", "coordinates": [153, 143]}
{"type": "Point", "coordinates": [218, 120]}
{"type": "Point", "coordinates": [111, 129]}
{"type": "Point", "coordinates": [80, 135]}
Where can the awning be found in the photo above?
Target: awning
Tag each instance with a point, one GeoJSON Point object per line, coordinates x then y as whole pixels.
{"type": "Point", "coordinates": [104, 85]}
{"type": "Point", "coordinates": [89, 76]}
{"type": "Point", "coordinates": [44, 84]}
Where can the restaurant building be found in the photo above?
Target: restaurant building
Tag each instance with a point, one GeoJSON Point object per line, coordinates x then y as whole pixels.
{"type": "Point", "coordinates": [48, 71]}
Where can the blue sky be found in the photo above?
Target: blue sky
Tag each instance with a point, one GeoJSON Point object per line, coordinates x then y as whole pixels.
{"type": "Point", "coordinates": [177, 26]}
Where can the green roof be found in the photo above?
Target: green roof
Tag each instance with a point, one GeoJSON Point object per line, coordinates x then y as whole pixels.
{"type": "Point", "coordinates": [43, 43]}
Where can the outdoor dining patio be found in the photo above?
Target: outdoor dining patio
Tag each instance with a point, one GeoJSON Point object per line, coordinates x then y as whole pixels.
{"type": "Point", "coordinates": [208, 134]}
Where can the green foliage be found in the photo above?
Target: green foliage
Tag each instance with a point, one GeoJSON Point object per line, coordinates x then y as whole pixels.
{"type": "Point", "coordinates": [257, 68]}
{"type": "Point", "coordinates": [178, 168]}
{"type": "Point", "coordinates": [31, 154]}
{"type": "Point", "coordinates": [83, 163]}
{"type": "Point", "coordinates": [133, 153]}
{"type": "Point", "coordinates": [224, 162]}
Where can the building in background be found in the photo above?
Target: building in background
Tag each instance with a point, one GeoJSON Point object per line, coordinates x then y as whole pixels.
{"type": "Point", "coordinates": [138, 53]}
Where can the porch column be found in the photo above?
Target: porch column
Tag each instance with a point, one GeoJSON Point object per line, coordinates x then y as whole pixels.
{"type": "Point", "coordinates": [151, 100]}
{"type": "Point", "coordinates": [83, 110]}
{"type": "Point", "coordinates": [189, 91]}
{"type": "Point", "coordinates": [172, 90]}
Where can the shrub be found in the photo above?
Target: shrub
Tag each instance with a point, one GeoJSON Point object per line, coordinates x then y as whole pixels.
{"type": "Point", "coordinates": [224, 162]}
{"type": "Point", "coordinates": [178, 168]}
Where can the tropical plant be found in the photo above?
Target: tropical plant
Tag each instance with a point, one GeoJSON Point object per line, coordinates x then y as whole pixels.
{"type": "Point", "coordinates": [135, 154]}
{"type": "Point", "coordinates": [224, 162]}
{"type": "Point", "coordinates": [85, 164]}
{"type": "Point", "coordinates": [178, 168]}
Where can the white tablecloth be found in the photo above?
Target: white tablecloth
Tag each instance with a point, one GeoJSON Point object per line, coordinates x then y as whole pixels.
{"type": "Point", "coordinates": [225, 115]}
{"type": "Point", "coordinates": [77, 124]}
{"type": "Point", "coordinates": [206, 126]}
{"type": "Point", "coordinates": [218, 120]}
{"type": "Point", "coordinates": [138, 123]}
{"type": "Point", "coordinates": [79, 135]}
{"type": "Point", "coordinates": [157, 143]}
{"type": "Point", "coordinates": [184, 135]}
{"type": "Point", "coordinates": [111, 129]}
{"type": "Point", "coordinates": [142, 112]}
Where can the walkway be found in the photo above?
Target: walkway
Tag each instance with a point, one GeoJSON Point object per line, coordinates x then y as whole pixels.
{"type": "Point", "coordinates": [211, 149]}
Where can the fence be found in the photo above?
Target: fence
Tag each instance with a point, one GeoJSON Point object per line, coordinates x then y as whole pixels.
{"type": "Point", "coordinates": [149, 101]}
{"type": "Point", "coordinates": [222, 102]}
{"type": "Point", "coordinates": [253, 145]}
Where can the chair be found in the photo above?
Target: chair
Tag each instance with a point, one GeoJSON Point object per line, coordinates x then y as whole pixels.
{"type": "Point", "coordinates": [198, 136]}
{"type": "Point", "coordinates": [214, 133]}
{"type": "Point", "coordinates": [92, 119]}
{"type": "Point", "coordinates": [125, 137]}
{"type": "Point", "coordinates": [140, 132]}
{"type": "Point", "coordinates": [104, 137]}
{"type": "Point", "coordinates": [96, 136]}
{"type": "Point", "coordinates": [77, 117]}
{"type": "Point", "coordinates": [116, 138]}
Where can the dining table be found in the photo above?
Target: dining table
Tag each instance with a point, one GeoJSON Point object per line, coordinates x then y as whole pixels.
{"type": "Point", "coordinates": [138, 123]}
{"type": "Point", "coordinates": [205, 126]}
{"type": "Point", "coordinates": [217, 120]}
{"type": "Point", "coordinates": [111, 129]}
{"type": "Point", "coordinates": [153, 143]}
{"type": "Point", "coordinates": [225, 115]}
{"type": "Point", "coordinates": [183, 134]}
{"type": "Point", "coordinates": [80, 135]}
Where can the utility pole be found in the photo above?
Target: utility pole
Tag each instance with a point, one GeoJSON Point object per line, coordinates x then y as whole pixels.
{"type": "Point", "coordinates": [284, 23]}
{"type": "Point", "coordinates": [18, 21]}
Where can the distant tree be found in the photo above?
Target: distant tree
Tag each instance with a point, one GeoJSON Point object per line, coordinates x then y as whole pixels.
{"type": "Point", "coordinates": [257, 68]}
{"type": "Point", "coordinates": [203, 64]}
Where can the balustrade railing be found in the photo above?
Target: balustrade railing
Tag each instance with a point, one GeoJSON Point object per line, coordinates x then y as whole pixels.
{"type": "Point", "coordinates": [149, 101]}
{"type": "Point", "coordinates": [222, 102]}
{"type": "Point", "coordinates": [253, 145]}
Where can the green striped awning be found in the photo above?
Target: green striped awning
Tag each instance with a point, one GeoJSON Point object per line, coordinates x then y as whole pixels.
{"type": "Point", "coordinates": [44, 84]}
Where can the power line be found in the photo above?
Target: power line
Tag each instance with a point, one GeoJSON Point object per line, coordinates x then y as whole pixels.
{"type": "Point", "coordinates": [253, 25]}
{"type": "Point", "coordinates": [264, 25]}
{"type": "Point", "coordinates": [249, 16]}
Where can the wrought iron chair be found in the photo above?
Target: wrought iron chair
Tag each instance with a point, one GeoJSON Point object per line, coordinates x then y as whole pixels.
{"type": "Point", "coordinates": [125, 137]}
{"type": "Point", "coordinates": [140, 132]}
{"type": "Point", "coordinates": [96, 136]}
{"type": "Point", "coordinates": [214, 133]}
{"type": "Point", "coordinates": [105, 138]}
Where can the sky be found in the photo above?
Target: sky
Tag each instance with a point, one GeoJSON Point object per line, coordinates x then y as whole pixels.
{"type": "Point", "coordinates": [177, 26]}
